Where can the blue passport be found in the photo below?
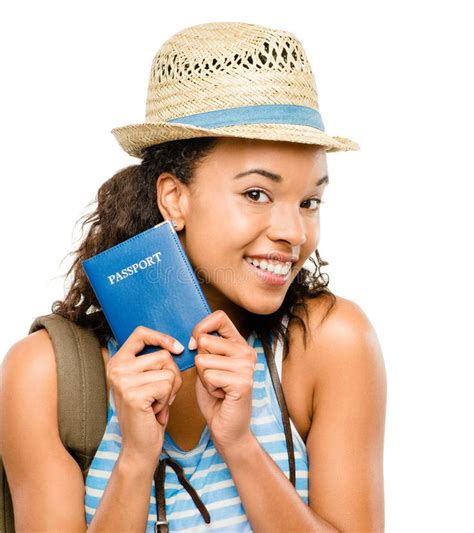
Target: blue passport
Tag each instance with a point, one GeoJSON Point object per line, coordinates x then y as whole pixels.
{"type": "Point", "coordinates": [148, 280]}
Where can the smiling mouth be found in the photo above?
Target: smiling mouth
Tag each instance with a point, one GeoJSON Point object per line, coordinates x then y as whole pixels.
{"type": "Point", "coordinates": [276, 268]}
{"type": "Point", "coordinates": [268, 277]}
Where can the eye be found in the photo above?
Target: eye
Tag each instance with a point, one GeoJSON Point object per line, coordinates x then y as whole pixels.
{"type": "Point", "coordinates": [318, 203]}
{"type": "Point", "coordinates": [259, 191]}
{"type": "Point", "coordinates": [255, 191]}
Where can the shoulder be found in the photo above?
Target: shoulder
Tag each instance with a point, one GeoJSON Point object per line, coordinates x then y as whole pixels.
{"type": "Point", "coordinates": [343, 318]}
{"type": "Point", "coordinates": [30, 365]}
{"type": "Point", "coordinates": [43, 477]}
{"type": "Point", "coordinates": [348, 416]}
{"type": "Point", "coordinates": [28, 398]}
{"type": "Point", "coordinates": [340, 335]}
{"type": "Point", "coordinates": [342, 350]}
{"type": "Point", "coordinates": [28, 403]}
{"type": "Point", "coordinates": [31, 357]}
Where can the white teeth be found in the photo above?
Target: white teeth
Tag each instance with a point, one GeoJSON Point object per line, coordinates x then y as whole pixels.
{"type": "Point", "coordinates": [280, 269]}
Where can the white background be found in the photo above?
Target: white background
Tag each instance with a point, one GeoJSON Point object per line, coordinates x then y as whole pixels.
{"type": "Point", "coordinates": [396, 227]}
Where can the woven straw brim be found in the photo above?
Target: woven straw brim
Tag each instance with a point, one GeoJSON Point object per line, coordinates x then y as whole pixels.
{"type": "Point", "coordinates": [135, 138]}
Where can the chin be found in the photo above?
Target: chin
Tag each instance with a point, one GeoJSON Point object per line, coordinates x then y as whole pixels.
{"type": "Point", "coordinates": [264, 305]}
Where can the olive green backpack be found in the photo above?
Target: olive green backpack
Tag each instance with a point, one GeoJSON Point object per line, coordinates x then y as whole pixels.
{"type": "Point", "coordinates": [82, 398]}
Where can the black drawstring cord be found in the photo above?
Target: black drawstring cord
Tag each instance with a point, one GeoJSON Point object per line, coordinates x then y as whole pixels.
{"type": "Point", "coordinates": [161, 524]}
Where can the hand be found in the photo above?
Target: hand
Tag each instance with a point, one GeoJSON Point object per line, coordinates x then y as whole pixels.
{"type": "Point", "coordinates": [141, 388]}
{"type": "Point", "coordinates": [225, 366]}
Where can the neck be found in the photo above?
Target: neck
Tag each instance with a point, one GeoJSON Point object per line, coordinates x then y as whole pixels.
{"type": "Point", "coordinates": [234, 312]}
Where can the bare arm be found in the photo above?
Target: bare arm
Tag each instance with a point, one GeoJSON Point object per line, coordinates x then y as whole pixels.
{"type": "Point", "coordinates": [45, 481]}
{"type": "Point", "coordinates": [126, 499]}
{"type": "Point", "coordinates": [344, 443]}
{"type": "Point", "coordinates": [271, 503]}
{"type": "Point", "coordinates": [346, 439]}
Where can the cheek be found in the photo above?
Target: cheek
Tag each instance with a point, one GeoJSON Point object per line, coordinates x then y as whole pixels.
{"type": "Point", "coordinates": [315, 231]}
{"type": "Point", "coordinates": [233, 221]}
{"type": "Point", "coordinates": [218, 207]}
{"type": "Point", "coordinates": [312, 237]}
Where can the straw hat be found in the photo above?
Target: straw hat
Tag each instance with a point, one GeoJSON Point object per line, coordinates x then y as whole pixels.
{"type": "Point", "coordinates": [231, 79]}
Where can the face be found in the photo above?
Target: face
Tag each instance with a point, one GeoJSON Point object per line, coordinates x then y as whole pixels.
{"type": "Point", "coordinates": [230, 215]}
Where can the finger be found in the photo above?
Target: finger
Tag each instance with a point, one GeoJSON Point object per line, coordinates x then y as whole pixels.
{"type": "Point", "coordinates": [143, 336]}
{"type": "Point", "coordinates": [145, 363]}
{"type": "Point", "coordinates": [219, 345]}
{"type": "Point", "coordinates": [127, 381]}
{"type": "Point", "coordinates": [219, 322]}
{"type": "Point", "coordinates": [151, 361]}
{"type": "Point", "coordinates": [144, 396]}
{"type": "Point", "coordinates": [163, 416]}
{"type": "Point", "coordinates": [169, 364]}
{"type": "Point", "coordinates": [221, 362]}
{"type": "Point", "coordinates": [235, 385]}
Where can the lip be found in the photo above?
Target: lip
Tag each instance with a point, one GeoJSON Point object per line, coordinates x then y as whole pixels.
{"type": "Point", "coordinates": [277, 256]}
{"type": "Point", "coordinates": [267, 277]}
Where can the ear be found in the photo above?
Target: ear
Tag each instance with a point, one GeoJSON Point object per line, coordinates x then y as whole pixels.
{"type": "Point", "coordinates": [172, 198]}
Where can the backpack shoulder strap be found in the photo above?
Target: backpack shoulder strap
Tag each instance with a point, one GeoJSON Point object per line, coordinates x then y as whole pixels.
{"type": "Point", "coordinates": [7, 521]}
{"type": "Point", "coordinates": [82, 393]}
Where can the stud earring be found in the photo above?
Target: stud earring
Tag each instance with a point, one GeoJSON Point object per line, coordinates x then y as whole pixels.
{"type": "Point", "coordinates": [175, 224]}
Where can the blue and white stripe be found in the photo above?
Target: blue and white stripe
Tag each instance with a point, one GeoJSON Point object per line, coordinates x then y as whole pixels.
{"type": "Point", "coordinates": [203, 466]}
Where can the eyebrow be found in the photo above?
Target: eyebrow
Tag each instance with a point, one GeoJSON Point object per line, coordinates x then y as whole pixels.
{"type": "Point", "coordinates": [275, 177]}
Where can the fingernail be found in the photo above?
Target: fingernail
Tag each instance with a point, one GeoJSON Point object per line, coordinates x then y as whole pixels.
{"type": "Point", "coordinates": [192, 343]}
{"type": "Point", "coordinates": [178, 346]}
{"type": "Point", "coordinates": [172, 400]}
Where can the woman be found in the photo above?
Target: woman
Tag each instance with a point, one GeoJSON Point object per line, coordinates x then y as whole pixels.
{"type": "Point", "coordinates": [234, 154]}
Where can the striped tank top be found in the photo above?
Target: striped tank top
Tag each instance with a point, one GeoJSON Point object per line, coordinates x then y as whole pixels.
{"type": "Point", "coordinates": [203, 467]}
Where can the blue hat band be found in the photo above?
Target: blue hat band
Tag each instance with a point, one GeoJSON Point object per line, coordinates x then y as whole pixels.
{"type": "Point", "coordinates": [254, 114]}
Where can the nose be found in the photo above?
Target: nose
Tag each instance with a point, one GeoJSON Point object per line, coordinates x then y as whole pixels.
{"type": "Point", "coordinates": [288, 225]}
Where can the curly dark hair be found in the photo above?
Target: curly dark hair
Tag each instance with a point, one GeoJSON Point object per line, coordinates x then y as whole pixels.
{"type": "Point", "coordinates": [126, 206]}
